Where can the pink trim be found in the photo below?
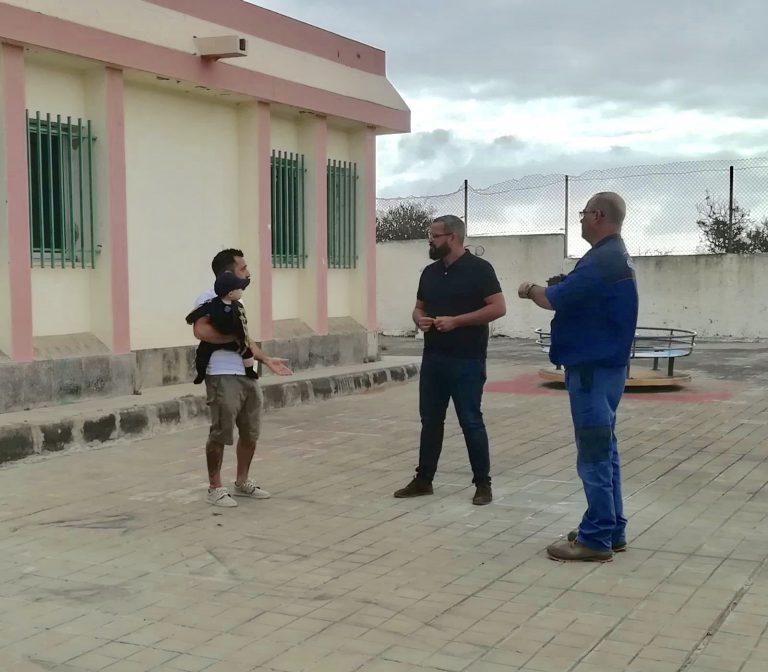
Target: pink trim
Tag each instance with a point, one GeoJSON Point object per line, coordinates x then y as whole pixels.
{"type": "Point", "coordinates": [32, 28]}
{"type": "Point", "coordinates": [370, 229]}
{"type": "Point", "coordinates": [118, 212]}
{"type": "Point", "coordinates": [264, 145]}
{"type": "Point", "coordinates": [279, 29]}
{"type": "Point", "coordinates": [320, 149]}
{"type": "Point", "coordinates": [19, 266]}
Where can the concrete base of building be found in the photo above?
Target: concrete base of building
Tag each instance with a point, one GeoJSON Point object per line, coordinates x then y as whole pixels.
{"type": "Point", "coordinates": [163, 409]}
{"type": "Point", "coordinates": [77, 367]}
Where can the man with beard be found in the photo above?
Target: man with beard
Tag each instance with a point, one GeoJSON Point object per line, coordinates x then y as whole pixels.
{"type": "Point", "coordinates": [458, 296]}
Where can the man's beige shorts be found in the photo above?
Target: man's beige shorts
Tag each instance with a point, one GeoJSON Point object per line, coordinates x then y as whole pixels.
{"type": "Point", "coordinates": [234, 401]}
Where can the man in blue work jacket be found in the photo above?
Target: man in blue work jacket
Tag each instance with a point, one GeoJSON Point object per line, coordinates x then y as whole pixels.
{"type": "Point", "coordinates": [592, 332]}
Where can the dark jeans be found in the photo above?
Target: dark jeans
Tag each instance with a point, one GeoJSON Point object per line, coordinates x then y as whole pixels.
{"type": "Point", "coordinates": [444, 378]}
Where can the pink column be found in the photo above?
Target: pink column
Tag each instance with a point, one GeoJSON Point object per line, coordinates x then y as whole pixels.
{"type": "Point", "coordinates": [370, 228]}
{"type": "Point", "coordinates": [320, 154]}
{"type": "Point", "coordinates": [19, 264]}
{"type": "Point", "coordinates": [265, 221]}
{"type": "Point", "coordinates": [118, 217]}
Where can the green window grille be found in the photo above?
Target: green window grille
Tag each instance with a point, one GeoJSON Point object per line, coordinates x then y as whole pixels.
{"type": "Point", "coordinates": [60, 167]}
{"type": "Point", "coordinates": [288, 238]}
{"type": "Point", "coordinates": [342, 214]}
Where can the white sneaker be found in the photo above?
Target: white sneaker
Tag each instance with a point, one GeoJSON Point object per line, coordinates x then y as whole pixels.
{"type": "Point", "coordinates": [221, 497]}
{"type": "Point", "coordinates": [249, 489]}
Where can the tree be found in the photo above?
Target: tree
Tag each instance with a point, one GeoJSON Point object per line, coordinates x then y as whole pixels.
{"type": "Point", "coordinates": [405, 221]}
{"type": "Point", "coordinates": [758, 237]}
{"type": "Point", "coordinates": [727, 232]}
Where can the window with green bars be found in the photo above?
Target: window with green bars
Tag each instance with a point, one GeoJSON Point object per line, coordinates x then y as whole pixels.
{"type": "Point", "coordinates": [60, 168]}
{"type": "Point", "coordinates": [288, 238]}
{"type": "Point", "coordinates": [342, 214]}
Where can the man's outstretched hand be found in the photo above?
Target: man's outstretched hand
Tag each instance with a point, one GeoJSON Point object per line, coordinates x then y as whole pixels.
{"type": "Point", "coordinates": [277, 365]}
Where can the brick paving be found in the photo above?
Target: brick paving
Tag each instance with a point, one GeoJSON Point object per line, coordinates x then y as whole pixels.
{"type": "Point", "coordinates": [111, 560]}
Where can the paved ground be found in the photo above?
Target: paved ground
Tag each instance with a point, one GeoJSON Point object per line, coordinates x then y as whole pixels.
{"type": "Point", "coordinates": [111, 560]}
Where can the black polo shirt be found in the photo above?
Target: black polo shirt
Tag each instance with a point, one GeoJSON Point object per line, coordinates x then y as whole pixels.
{"type": "Point", "coordinates": [453, 290]}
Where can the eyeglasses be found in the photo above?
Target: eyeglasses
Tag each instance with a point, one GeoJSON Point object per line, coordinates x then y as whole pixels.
{"type": "Point", "coordinates": [432, 236]}
{"type": "Point", "coordinates": [587, 212]}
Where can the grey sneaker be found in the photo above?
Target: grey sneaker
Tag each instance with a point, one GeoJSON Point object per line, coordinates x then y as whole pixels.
{"type": "Point", "coordinates": [220, 497]}
{"type": "Point", "coordinates": [249, 489]}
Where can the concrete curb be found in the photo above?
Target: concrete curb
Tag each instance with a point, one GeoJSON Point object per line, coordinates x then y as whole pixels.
{"type": "Point", "coordinates": [137, 420]}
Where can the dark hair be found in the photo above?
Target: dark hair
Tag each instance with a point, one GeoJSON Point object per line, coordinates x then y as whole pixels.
{"type": "Point", "coordinates": [225, 261]}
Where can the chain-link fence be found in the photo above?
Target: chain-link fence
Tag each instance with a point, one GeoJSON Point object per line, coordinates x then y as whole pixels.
{"type": "Point", "coordinates": [664, 204]}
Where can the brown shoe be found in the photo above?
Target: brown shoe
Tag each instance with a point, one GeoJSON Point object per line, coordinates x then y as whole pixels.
{"type": "Point", "coordinates": [416, 488]}
{"type": "Point", "coordinates": [576, 551]}
{"type": "Point", "coordinates": [483, 494]}
{"type": "Point", "coordinates": [617, 546]}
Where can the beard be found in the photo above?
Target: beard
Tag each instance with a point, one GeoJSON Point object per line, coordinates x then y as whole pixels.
{"type": "Point", "coordinates": [436, 253]}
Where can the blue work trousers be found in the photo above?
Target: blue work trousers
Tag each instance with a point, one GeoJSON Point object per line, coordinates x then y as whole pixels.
{"type": "Point", "coordinates": [595, 393]}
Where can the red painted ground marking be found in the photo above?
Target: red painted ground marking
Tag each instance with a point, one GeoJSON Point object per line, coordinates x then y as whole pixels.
{"type": "Point", "coordinates": [532, 384]}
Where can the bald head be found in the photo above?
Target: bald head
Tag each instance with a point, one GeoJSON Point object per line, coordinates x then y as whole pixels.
{"type": "Point", "coordinates": [612, 206]}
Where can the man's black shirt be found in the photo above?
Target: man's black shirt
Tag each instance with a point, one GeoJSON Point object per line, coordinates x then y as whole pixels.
{"type": "Point", "coordinates": [453, 290]}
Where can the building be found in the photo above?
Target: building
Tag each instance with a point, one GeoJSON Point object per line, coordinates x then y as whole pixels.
{"type": "Point", "coordinates": [138, 138]}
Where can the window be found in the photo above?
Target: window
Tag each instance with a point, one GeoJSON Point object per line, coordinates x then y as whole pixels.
{"type": "Point", "coordinates": [342, 214]}
{"type": "Point", "coordinates": [288, 241]}
{"type": "Point", "coordinates": [60, 165]}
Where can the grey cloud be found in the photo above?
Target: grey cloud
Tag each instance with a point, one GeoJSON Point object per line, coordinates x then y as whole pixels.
{"type": "Point", "coordinates": [439, 152]}
{"type": "Point", "coordinates": [425, 146]}
{"type": "Point", "coordinates": [746, 141]}
{"type": "Point", "coordinates": [508, 142]}
{"type": "Point", "coordinates": [692, 54]}
{"type": "Point", "coordinates": [483, 168]}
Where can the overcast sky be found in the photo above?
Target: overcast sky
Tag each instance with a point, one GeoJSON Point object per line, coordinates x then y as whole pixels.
{"type": "Point", "coordinates": [499, 89]}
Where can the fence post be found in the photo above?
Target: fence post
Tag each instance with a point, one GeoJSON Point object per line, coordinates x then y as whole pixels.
{"type": "Point", "coordinates": [565, 237]}
{"type": "Point", "coordinates": [466, 189]}
{"type": "Point", "coordinates": [730, 208]}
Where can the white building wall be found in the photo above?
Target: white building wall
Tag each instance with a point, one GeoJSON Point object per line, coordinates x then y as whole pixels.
{"type": "Point", "coordinates": [287, 285]}
{"type": "Point", "coordinates": [182, 161]}
{"type": "Point", "coordinates": [181, 164]}
{"type": "Point", "coordinates": [62, 302]}
{"type": "Point", "coordinates": [341, 291]}
{"type": "Point", "coordinates": [285, 134]}
{"type": "Point", "coordinates": [55, 89]}
{"type": "Point", "coordinates": [338, 144]}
